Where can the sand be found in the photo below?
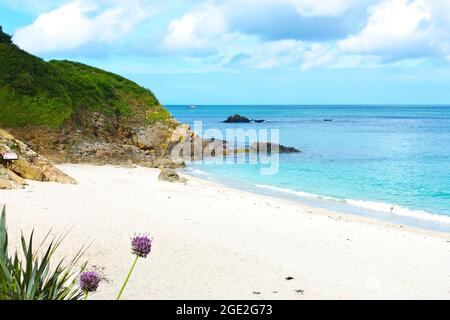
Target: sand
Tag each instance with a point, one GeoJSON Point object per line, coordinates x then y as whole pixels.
{"type": "Point", "coordinates": [212, 242]}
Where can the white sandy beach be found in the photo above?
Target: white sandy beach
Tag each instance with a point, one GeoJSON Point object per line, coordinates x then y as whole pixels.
{"type": "Point", "coordinates": [211, 242]}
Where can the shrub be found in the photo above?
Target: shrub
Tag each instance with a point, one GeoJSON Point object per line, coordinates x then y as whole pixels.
{"type": "Point", "coordinates": [158, 116]}
{"type": "Point", "coordinates": [33, 278]}
{"type": "Point", "coordinates": [36, 92]}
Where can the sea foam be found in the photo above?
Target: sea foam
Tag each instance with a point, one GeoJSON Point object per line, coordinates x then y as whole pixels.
{"type": "Point", "coordinates": [369, 205]}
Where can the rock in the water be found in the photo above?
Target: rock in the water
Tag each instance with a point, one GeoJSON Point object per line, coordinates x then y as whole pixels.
{"type": "Point", "coordinates": [29, 165]}
{"type": "Point", "coordinates": [264, 147]}
{"type": "Point", "coordinates": [237, 119]}
{"type": "Point", "coordinates": [170, 175]}
{"type": "Point", "coordinates": [241, 119]}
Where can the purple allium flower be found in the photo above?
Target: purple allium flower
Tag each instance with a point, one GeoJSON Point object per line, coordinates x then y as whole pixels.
{"type": "Point", "coordinates": [89, 281]}
{"type": "Point", "coordinates": [141, 245]}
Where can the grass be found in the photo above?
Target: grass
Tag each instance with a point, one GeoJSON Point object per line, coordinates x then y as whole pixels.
{"type": "Point", "coordinates": [36, 92]}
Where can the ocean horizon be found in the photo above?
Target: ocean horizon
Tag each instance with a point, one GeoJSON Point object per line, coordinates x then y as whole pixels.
{"type": "Point", "coordinates": [389, 162]}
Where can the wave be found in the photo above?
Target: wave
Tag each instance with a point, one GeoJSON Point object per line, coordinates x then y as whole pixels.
{"type": "Point", "coordinates": [370, 205]}
{"type": "Point", "coordinates": [198, 172]}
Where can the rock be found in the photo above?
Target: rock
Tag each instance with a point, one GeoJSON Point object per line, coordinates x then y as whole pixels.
{"type": "Point", "coordinates": [5, 184]}
{"type": "Point", "coordinates": [237, 119]}
{"type": "Point", "coordinates": [91, 137]}
{"type": "Point", "coordinates": [272, 147]}
{"type": "Point", "coordinates": [26, 170]}
{"type": "Point", "coordinates": [284, 149]}
{"type": "Point", "coordinates": [9, 180]}
{"type": "Point", "coordinates": [5, 181]}
{"type": "Point", "coordinates": [39, 169]}
{"type": "Point", "coordinates": [151, 137]}
{"type": "Point", "coordinates": [241, 119]}
{"type": "Point", "coordinates": [170, 175]}
{"type": "Point", "coordinates": [29, 165]}
{"type": "Point", "coordinates": [16, 179]}
{"type": "Point", "coordinates": [181, 133]}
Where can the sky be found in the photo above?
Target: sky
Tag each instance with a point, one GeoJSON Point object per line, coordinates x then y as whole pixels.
{"type": "Point", "coordinates": [250, 51]}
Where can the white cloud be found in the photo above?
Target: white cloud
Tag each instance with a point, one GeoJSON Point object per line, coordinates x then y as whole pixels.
{"type": "Point", "coordinates": [195, 30]}
{"type": "Point", "coordinates": [206, 28]}
{"type": "Point", "coordinates": [277, 54]}
{"type": "Point", "coordinates": [204, 25]}
{"type": "Point", "coordinates": [287, 54]}
{"type": "Point", "coordinates": [317, 56]}
{"type": "Point", "coordinates": [78, 23]}
{"type": "Point", "coordinates": [398, 29]}
{"type": "Point", "coordinates": [253, 34]}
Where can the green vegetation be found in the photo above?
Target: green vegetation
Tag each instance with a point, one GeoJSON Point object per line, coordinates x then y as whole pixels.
{"type": "Point", "coordinates": [33, 277]}
{"type": "Point", "coordinates": [4, 38]}
{"type": "Point", "coordinates": [161, 115]}
{"type": "Point", "coordinates": [36, 92]}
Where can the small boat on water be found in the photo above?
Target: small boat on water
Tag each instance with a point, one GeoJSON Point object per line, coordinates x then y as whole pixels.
{"type": "Point", "coordinates": [192, 107]}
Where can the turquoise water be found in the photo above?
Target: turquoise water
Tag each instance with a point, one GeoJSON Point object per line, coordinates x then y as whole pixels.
{"type": "Point", "coordinates": [391, 159]}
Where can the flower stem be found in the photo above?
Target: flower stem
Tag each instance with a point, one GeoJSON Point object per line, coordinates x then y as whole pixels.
{"type": "Point", "coordinates": [86, 295]}
{"type": "Point", "coordinates": [128, 277]}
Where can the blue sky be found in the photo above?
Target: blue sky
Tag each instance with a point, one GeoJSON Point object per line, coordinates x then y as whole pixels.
{"type": "Point", "coordinates": [251, 51]}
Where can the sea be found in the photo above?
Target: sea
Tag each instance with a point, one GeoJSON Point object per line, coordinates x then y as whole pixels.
{"type": "Point", "coordinates": [390, 163]}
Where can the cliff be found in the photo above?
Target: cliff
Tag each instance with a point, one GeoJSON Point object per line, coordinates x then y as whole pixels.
{"type": "Point", "coordinates": [71, 112]}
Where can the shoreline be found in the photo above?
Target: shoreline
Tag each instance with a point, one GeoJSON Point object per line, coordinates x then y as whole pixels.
{"type": "Point", "coordinates": [437, 224]}
{"type": "Point", "coordinates": [341, 216]}
{"type": "Point", "coordinates": [214, 242]}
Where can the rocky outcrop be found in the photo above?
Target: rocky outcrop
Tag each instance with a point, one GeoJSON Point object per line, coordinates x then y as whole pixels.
{"type": "Point", "coordinates": [196, 148]}
{"type": "Point", "coordinates": [71, 112]}
{"type": "Point", "coordinates": [181, 133]}
{"type": "Point", "coordinates": [10, 180]}
{"type": "Point", "coordinates": [241, 119]}
{"type": "Point", "coordinates": [237, 119]}
{"type": "Point", "coordinates": [29, 165]}
{"type": "Point", "coordinates": [170, 175]}
{"type": "Point", "coordinates": [152, 137]}
{"type": "Point", "coordinates": [101, 153]}
{"type": "Point", "coordinates": [94, 138]}
{"type": "Point", "coordinates": [268, 147]}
